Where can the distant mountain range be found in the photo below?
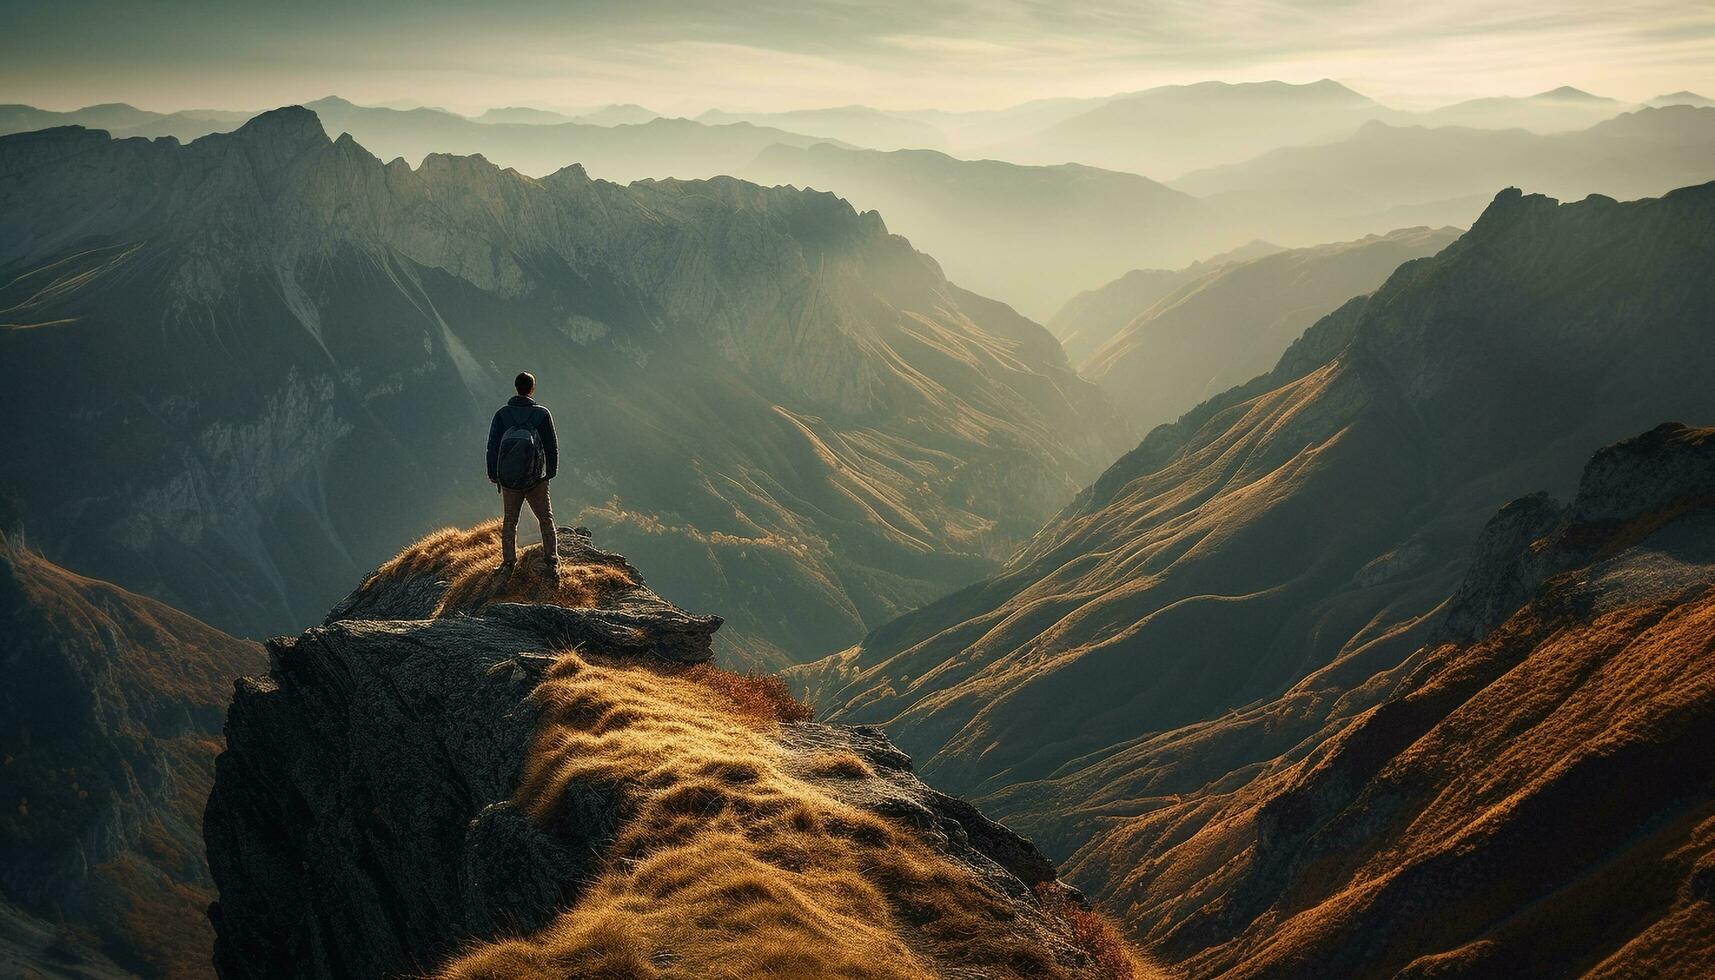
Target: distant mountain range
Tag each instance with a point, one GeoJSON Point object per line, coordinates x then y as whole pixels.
{"type": "Point", "coordinates": [621, 152]}
{"type": "Point", "coordinates": [1387, 173]}
{"type": "Point", "coordinates": [1299, 165]}
{"type": "Point", "coordinates": [1028, 235]}
{"type": "Point", "coordinates": [289, 352]}
{"type": "Point", "coordinates": [1232, 322]}
{"type": "Point", "coordinates": [1091, 318]}
{"type": "Point", "coordinates": [855, 124]}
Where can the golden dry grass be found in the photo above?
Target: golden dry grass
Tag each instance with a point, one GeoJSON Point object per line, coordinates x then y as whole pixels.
{"type": "Point", "coordinates": [738, 861]}
{"type": "Point", "coordinates": [1098, 936]}
{"type": "Point", "coordinates": [466, 560]}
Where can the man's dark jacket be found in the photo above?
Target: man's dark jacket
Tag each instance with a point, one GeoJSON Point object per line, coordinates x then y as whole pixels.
{"type": "Point", "coordinates": [536, 418]}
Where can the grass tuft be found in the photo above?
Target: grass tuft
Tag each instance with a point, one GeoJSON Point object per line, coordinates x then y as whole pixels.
{"type": "Point", "coordinates": [467, 559]}
{"type": "Point", "coordinates": [731, 863]}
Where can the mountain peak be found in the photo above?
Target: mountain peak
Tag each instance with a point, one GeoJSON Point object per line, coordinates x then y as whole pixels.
{"type": "Point", "coordinates": [1568, 93]}
{"type": "Point", "coordinates": [291, 124]}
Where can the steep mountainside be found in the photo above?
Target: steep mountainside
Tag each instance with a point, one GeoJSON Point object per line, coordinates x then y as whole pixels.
{"type": "Point", "coordinates": [1305, 524]}
{"type": "Point", "coordinates": [1031, 236]}
{"type": "Point", "coordinates": [1233, 323]}
{"type": "Point", "coordinates": [286, 354]}
{"type": "Point", "coordinates": [1090, 319]}
{"type": "Point", "coordinates": [1532, 797]}
{"type": "Point", "coordinates": [449, 777]}
{"type": "Point", "coordinates": [1392, 175]}
{"type": "Point", "coordinates": [110, 713]}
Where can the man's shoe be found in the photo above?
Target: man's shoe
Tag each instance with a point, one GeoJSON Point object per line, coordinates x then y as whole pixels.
{"type": "Point", "coordinates": [553, 573]}
{"type": "Point", "coordinates": [504, 569]}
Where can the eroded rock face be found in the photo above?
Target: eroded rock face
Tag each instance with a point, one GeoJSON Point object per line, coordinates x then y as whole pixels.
{"type": "Point", "coordinates": [365, 819]}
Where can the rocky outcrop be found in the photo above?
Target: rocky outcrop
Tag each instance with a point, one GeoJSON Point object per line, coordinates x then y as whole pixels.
{"type": "Point", "coordinates": [1629, 490]}
{"type": "Point", "coordinates": [373, 813]}
{"type": "Point", "coordinates": [110, 705]}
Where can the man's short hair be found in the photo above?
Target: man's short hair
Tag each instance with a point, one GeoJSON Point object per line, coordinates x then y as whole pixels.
{"type": "Point", "coordinates": [525, 382]}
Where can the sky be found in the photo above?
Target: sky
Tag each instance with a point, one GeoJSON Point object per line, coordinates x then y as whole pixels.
{"type": "Point", "coordinates": [683, 56]}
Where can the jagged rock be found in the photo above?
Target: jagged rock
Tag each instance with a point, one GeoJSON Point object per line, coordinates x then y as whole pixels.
{"type": "Point", "coordinates": [1628, 490]}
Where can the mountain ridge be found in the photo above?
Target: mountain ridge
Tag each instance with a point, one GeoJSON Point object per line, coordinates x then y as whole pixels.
{"type": "Point", "coordinates": [379, 302]}
{"type": "Point", "coordinates": [1309, 521]}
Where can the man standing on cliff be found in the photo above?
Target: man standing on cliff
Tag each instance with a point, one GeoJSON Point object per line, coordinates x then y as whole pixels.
{"type": "Point", "coordinates": [523, 455]}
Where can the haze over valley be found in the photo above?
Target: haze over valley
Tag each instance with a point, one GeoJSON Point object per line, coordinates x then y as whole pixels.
{"type": "Point", "coordinates": [1092, 492]}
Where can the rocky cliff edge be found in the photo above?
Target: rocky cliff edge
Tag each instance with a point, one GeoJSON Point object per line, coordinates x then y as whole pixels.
{"type": "Point", "coordinates": [458, 776]}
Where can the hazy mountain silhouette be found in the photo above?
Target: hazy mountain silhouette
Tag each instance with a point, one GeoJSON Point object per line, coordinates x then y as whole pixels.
{"type": "Point", "coordinates": [1089, 319]}
{"type": "Point", "coordinates": [123, 120]}
{"type": "Point", "coordinates": [1442, 176]}
{"type": "Point", "coordinates": [630, 151]}
{"type": "Point", "coordinates": [289, 351]}
{"type": "Point", "coordinates": [1561, 109]}
{"type": "Point", "coordinates": [1167, 131]}
{"type": "Point", "coordinates": [1681, 98]}
{"type": "Point", "coordinates": [524, 115]}
{"type": "Point", "coordinates": [1233, 322]}
{"type": "Point", "coordinates": [618, 114]}
{"type": "Point", "coordinates": [1301, 529]}
{"type": "Point", "coordinates": [1031, 236]}
{"type": "Point", "coordinates": [854, 124]}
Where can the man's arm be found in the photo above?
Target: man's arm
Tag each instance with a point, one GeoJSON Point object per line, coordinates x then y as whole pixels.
{"type": "Point", "coordinates": [550, 443]}
{"type": "Point", "coordinates": [494, 432]}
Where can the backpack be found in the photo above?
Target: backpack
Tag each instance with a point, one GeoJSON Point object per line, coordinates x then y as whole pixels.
{"type": "Point", "coordinates": [521, 464]}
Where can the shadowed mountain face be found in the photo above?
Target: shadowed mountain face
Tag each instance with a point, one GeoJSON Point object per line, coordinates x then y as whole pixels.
{"type": "Point", "coordinates": [112, 707]}
{"type": "Point", "coordinates": [1233, 323]}
{"type": "Point", "coordinates": [1531, 796]}
{"type": "Point", "coordinates": [1030, 236]}
{"type": "Point", "coordinates": [1305, 524]}
{"type": "Point", "coordinates": [285, 355]}
{"type": "Point", "coordinates": [1395, 175]}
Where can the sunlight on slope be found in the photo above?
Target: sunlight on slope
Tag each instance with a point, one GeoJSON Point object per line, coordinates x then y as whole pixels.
{"type": "Point", "coordinates": [739, 860]}
{"type": "Point", "coordinates": [466, 560]}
